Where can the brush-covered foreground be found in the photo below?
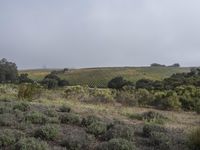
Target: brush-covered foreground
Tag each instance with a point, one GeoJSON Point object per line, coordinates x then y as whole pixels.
{"type": "Point", "coordinates": [52, 121]}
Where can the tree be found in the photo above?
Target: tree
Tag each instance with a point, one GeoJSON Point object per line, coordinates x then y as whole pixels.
{"type": "Point", "coordinates": [117, 83]}
{"type": "Point", "coordinates": [8, 71]}
{"type": "Point", "coordinates": [145, 84]}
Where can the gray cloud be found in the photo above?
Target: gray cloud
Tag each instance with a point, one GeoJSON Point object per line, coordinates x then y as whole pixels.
{"type": "Point", "coordinates": [92, 33]}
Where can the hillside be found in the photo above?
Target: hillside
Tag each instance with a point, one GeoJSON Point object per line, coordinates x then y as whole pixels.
{"type": "Point", "coordinates": [99, 77]}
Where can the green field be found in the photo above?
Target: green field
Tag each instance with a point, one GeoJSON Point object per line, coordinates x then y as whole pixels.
{"type": "Point", "coordinates": [99, 77]}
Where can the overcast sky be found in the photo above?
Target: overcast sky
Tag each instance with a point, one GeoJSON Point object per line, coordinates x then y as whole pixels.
{"type": "Point", "coordinates": [89, 33]}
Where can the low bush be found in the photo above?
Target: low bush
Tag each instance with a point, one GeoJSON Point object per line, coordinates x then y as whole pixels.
{"type": "Point", "coordinates": [77, 92]}
{"type": "Point", "coordinates": [97, 128]}
{"type": "Point", "coordinates": [197, 107]}
{"type": "Point", "coordinates": [4, 109]}
{"type": "Point", "coordinates": [89, 120]}
{"type": "Point", "coordinates": [31, 144]}
{"type": "Point", "coordinates": [116, 144]}
{"type": "Point", "coordinates": [120, 131]}
{"type": "Point", "coordinates": [36, 118]}
{"type": "Point", "coordinates": [154, 117]}
{"type": "Point", "coordinates": [7, 138]}
{"type": "Point", "coordinates": [194, 139]}
{"type": "Point", "coordinates": [148, 128]}
{"type": "Point", "coordinates": [126, 98]}
{"type": "Point", "coordinates": [51, 113]}
{"type": "Point", "coordinates": [144, 97]}
{"type": "Point", "coordinates": [77, 140]}
{"type": "Point", "coordinates": [101, 95]}
{"type": "Point", "coordinates": [64, 108]}
{"type": "Point", "coordinates": [70, 118]}
{"type": "Point", "coordinates": [23, 106]}
{"type": "Point", "coordinates": [7, 119]}
{"type": "Point", "coordinates": [47, 132]}
{"type": "Point", "coordinates": [28, 91]}
{"type": "Point", "coordinates": [160, 140]}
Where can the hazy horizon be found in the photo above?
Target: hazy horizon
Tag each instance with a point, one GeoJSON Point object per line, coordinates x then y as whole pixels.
{"type": "Point", "coordinates": [99, 33]}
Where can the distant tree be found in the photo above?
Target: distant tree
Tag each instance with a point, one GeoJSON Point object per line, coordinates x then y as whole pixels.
{"type": "Point", "coordinates": [157, 65]}
{"type": "Point", "coordinates": [117, 83]}
{"type": "Point", "coordinates": [175, 65]}
{"type": "Point", "coordinates": [8, 71]}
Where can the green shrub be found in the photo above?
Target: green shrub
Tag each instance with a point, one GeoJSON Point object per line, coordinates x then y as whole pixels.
{"type": "Point", "coordinates": [31, 144]}
{"type": "Point", "coordinates": [194, 139]}
{"type": "Point", "coordinates": [36, 118]}
{"type": "Point", "coordinates": [7, 119]}
{"type": "Point", "coordinates": [47, 132]}
{"type": "Point", "coordinates": [97, 128]}
{"type": "Point", "coordinates": [23, 106]}
{"type": "Point", "coordinates": [70, 118]}
{"type": "Point", "coordinates": [154, 117]}
{"type": "Point", "coordinates": [51, 113]}
{"type": "Point", "coordinates": [101, 95]}
{"type": "Point", "coordinates": [28, 91]}
{"type": "Point", "coordinates": [117, 83]}
{"type": "Point", "coordinates": [64, 108]}
{"type": "Point", "coordinates": [160, 140]}
{"type": "Point", "coordinates": [144, 97]}
{"type": "Point", "coordinates": [116, 144]}
{"type": "Point", "coordinates": [7, 138]}
{"type": "Point", "coordinates": [89, 120]}
{"type": "Point", "coordinates": [77, 92]}
{"type": "Point", "coordinates": [77, 140]}
{"type": "Point", "coordinates": [148, 128]}
{"type": "Point", "coordinates": [126, 98]}
{"type": "Point", "coordinates": [4, 109]}
{"type": "Point", "coordinates": [120, 131]}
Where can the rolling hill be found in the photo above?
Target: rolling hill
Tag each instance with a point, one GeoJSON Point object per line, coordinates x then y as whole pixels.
{"type": "Point", "coordinates": [99, 77]}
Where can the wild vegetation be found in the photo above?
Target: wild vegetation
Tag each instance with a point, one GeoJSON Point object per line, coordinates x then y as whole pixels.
{"type": "Point", "coordinates": [144, 115]}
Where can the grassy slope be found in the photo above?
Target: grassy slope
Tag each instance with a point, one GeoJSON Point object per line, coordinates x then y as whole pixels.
{"type": "Point", "coordinates": [100, 76]}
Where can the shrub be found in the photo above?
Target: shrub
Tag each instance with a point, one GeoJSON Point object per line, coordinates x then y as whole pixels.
{"type": "Point", "coordinates": [31, 144]}
{"type": "Point", "coordinates": [194, 139]}
{"type": "Point", "coordinates": [50, 83]}
{"type": "Point", "coordinates": [77, 92]}
{"type": "Point", "coordinates": [64, 108]}
{"type": "Point", "coordinates": [4, 109]}
{"type": "Point", "coordinates": [47, 132]}
{"type": "Point", "coordinates": [116, 144]}
{"type": "Point", "coordinates": [51, 113]}
{"type": "Point", "coordinates": [28, 91]}
{"type": "Point", "coordinates": [36, 118]}
{"type": "Point", "coordinates": [7, 119]}
{"type": "Point", "coordinates": [7, 138]}
{"type": "Point", "coordinates": [127, 98]}
{"type": "Point", "coordinates": [160, 140]}
{"type": "Point", "coordinates": [117, 83]}
{"type": "Point", "coordinates": [23, 106]}
{"type": "Point", "coordinates": [154, 117]}
{"type": "Point", "coordinates": [77, 140]}
{"type": "Point", "coordinates": [70, 118]}
{"type": "Point", "coordinates": [97, 128]}
{"type": "Point", "coordinates": [148, 128]}
{"type": "Point", "coordinates": [101, 95]}
{"type": "Point", "coordinates": [120, 131]}
{"type": "Point", "coordinates": [144, 97]}
{"type": "Point", "coordinates": [89, 120]}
